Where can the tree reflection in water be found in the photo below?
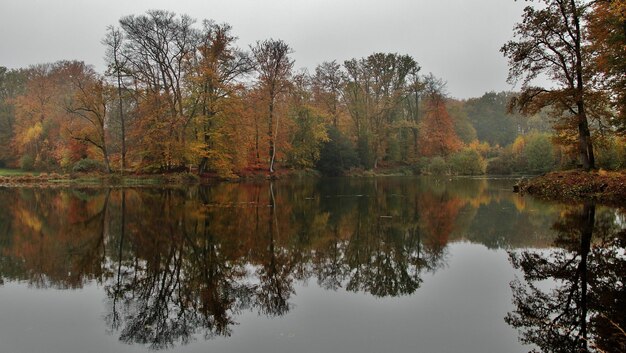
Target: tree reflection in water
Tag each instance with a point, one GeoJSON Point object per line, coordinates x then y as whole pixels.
{"type": "Point", "coordinates": [176, 263]}
{"type": "Point", "coordinates": [584, 310]}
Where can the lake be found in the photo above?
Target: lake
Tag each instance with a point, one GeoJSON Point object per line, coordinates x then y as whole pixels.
{"type": "Point", "coordinates": [330, 265]}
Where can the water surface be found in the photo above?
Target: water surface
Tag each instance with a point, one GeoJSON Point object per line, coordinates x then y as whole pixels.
{"type": "Point", "coordinates": [331, 265]}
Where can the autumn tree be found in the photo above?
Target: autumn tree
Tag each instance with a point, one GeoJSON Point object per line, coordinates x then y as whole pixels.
{"type": "Point", "coordinates": [90, 104]}
{"type": "Point", "coordinates": [41, 118]}
{"type": "Point", "coordinates": [217, 83]}
{"type": "Point", "coordinates": [308, 125]}
{"type": "Point", "coordinates": [273, 66]}
{"type": "Point", "coordinates": [327, 87]}
{"type": "Point", "coordinates": [607, 33]}
{"type": "Point", "coordinates": [375, 88]}
{"type": "Point", "coordinates": [157, 49]}
{"type": "Point", "coordinates": [437, 135]}
{"type": "Point", "coordinates": [550, 41]}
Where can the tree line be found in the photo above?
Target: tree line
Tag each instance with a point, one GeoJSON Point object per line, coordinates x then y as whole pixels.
{"type": "Point", "coordinates": [180, 95]}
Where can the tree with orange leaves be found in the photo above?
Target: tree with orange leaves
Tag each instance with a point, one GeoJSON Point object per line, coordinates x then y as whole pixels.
{"type": "Point", "coordinates": [438, 137]}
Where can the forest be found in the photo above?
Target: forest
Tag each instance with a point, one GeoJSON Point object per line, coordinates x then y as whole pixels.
{"type": "Point", "coordinates": [178, 94]}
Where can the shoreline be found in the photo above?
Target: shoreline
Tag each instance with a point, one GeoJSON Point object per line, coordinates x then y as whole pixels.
{"type": "Point", "coordinates": [606, 188]}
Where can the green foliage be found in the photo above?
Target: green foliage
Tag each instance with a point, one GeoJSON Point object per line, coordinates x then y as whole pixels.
{"type": "Point", "coordinates": [421, 166]}
{"type": "Point", "coordinates": [462, 125]}
{"type": "Point", "coordinates": [308, 138]}
{"type": "Point", "coordinates": [364, 149]}
{"type": "Point", "coordinates": [489, 117]}
{"type": "Point", "coordinates": [539, 153]}
{"type": "Point", "coordinates": [11, 84]}
{"type": "Point", "coordinates": [501, 165]}
{"type": "Point", "coordinates": [438, 166]}
{"type": "Point", "coordinates": [337, 154]}
{"type": "Point", "coordinates": [87, 165]}
{"type": "Point", "coordinates": [393, 150]}
{"type": "Point", "coordinates": [467, 162]}
{"type": "Point", "coordinates": [610, 154]}
{"type": "Point", "coordinates": [27, 162]}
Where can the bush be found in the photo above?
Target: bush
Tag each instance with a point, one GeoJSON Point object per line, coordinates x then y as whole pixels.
{"type": "Point", "coordinates": [27, 162]}
{"type": "Point", "coordinates": [467, 162]}
{"type": "Point", "coordinates": [421, 166]}
{"type": "Point", "coordinates": [438, 166]}
{"type": "Point", "coordinates": [88, 165]}
{"type": "Point", "coordinates": [500, 166]}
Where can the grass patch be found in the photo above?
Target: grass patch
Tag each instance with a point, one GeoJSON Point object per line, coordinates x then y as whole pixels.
{"type": "Point", "coordinates": [15, 172]}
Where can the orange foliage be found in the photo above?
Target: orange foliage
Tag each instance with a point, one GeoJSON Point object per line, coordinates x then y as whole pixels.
{"type": "Point", "coordinates": [437, 131]}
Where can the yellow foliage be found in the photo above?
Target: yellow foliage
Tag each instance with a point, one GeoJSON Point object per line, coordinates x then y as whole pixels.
{"type": "Point", "coordinates": [518, 145]}
{"type": "Point", "coordinates": [480, 147]}
{"type": "Point", "coordinates": [33, 133]}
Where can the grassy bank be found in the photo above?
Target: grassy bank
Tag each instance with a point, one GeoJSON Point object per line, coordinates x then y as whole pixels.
{"type": "Point", "coordinates": [15, 172]}
{"type": "Point", "coordinates": [603, 187]}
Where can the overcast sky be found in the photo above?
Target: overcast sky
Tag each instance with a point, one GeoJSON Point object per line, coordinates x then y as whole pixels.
{"type": "Point", "coordinates": [457, 40]}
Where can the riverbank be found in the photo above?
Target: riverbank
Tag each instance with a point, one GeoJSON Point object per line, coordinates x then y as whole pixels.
{"type": "Point", "coordinates": [607, 188]}
{"type": "Point", "coordinates": [17, 178]}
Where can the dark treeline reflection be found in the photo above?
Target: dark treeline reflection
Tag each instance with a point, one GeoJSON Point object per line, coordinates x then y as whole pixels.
{"type": "Point", "coordinates": [582, 307]}
{"type": "Point", "coordinates": [180, 262]}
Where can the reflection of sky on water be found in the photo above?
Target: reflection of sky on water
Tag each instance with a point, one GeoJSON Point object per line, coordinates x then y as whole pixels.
{"type": "Point", "coordinates": [466, 300]}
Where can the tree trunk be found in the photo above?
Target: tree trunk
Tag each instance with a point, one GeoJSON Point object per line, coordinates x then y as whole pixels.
{"type": "Point", "coordinates": [270, 132]}
{"type": "Point", "coordinates": [584, 136]}
{"type": "Point", "coordinates": [122, 122]}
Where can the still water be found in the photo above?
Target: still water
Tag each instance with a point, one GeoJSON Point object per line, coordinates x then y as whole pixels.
{"type": "Point", "coordinates": [331, 265]}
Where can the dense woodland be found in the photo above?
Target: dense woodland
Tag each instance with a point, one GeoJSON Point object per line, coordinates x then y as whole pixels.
{"type": "Point", "coordinates": [178, 94]}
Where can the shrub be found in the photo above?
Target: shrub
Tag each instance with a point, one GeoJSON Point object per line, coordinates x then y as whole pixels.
{"type": "Point", "coordinates": [421, 166]}
{"type": "Point", "coordinates": [500, 165]}
{"type": "Point", "coordinates": [438, 166]}
{"type": "Point", "coordinates": [27, 162]}
{"type": "Point", "coordinates": [88, 165]}
{"type": "Point", "coordinates": [467, 162]}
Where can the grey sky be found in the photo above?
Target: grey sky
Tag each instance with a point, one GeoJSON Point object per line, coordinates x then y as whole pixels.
{"type": "Point", "coordinates": [457, 40]}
